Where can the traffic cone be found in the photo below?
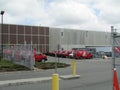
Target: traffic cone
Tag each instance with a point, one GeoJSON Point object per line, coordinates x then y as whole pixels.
{"type": "Point", "coordinates": [116, 83]}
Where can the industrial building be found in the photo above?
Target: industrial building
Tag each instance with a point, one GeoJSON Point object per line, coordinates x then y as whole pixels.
{"type": "Point", "coordinates": [21, 34]}
{"type": "Point", "coordinates": [71, 38]}
{"type": "Point", "coordinates": [47, 39]}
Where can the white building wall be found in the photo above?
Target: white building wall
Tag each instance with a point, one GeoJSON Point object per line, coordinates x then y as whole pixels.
{"type": "Point", "coordinates": [97, 38]}
{"type": "Point", "coordinates": [69, 38]}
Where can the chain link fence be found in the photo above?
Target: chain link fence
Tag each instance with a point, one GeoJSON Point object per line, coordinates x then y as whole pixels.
{"type": "Point", "coordinates": [20, 54]}
{"type": "Point", "coordinates": [116, 50]}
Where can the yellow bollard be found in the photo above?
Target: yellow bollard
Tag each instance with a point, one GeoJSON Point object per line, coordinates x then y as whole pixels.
{"type": "Point", "coordinates": [55, 82]}
{"type": "Point", "coordinates": [73, 67]}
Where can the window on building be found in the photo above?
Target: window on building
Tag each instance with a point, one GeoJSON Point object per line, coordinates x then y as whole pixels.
{"type": "Point", "coordinates": [61, 33]}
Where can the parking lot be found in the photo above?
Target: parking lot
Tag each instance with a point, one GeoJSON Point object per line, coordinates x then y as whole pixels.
{"type": "Point", "coordinates": [95, 74]}
{"type": "Point", "coordinates": [69, 60]}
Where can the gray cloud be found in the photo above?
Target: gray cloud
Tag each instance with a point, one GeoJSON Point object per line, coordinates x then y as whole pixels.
{"type": "Point", "coordinates": [85, 14]}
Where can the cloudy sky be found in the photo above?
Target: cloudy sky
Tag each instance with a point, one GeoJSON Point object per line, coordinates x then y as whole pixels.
{"type": "Point", "coordinates": [96, 15]}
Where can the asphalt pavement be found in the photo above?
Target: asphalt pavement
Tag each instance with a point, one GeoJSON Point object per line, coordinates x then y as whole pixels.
{"type": "Point", "coordinates": [91, 72]}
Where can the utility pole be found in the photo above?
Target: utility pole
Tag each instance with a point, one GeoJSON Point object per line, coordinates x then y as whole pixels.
{"type": "Point", "coordinates": [113, 34]}
{"type": "Point", "coordinates": [2, 12]}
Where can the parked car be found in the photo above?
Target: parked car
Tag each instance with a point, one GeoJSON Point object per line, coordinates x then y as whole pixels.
{"type": "Point", "coordinates": [39, 56]}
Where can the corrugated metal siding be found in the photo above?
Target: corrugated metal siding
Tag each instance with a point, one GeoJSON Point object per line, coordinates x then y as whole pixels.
{"type": "Point", "coordinates": [77, 38]}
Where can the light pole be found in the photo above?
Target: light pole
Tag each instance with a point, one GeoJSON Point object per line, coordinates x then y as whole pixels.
{"type": "Point", "coordinates": [2, 12]}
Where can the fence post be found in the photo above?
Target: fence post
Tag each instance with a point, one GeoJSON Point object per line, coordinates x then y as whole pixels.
{"type": "Point", "coordinates": [32, 57]}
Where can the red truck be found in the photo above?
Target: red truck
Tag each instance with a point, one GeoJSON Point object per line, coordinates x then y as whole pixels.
{"type": "Point", "coordinates": [39, 56]}
{"type": "Point", "coordinates": [83, 54]}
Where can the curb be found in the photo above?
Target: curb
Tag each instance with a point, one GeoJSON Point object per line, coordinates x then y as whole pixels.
{"type": "Point", "coordinates": [68, 77]}
{"type": "Point", "coordinates": [24, 81]}
{"type": "Point", "coordinates": [34, 80]}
